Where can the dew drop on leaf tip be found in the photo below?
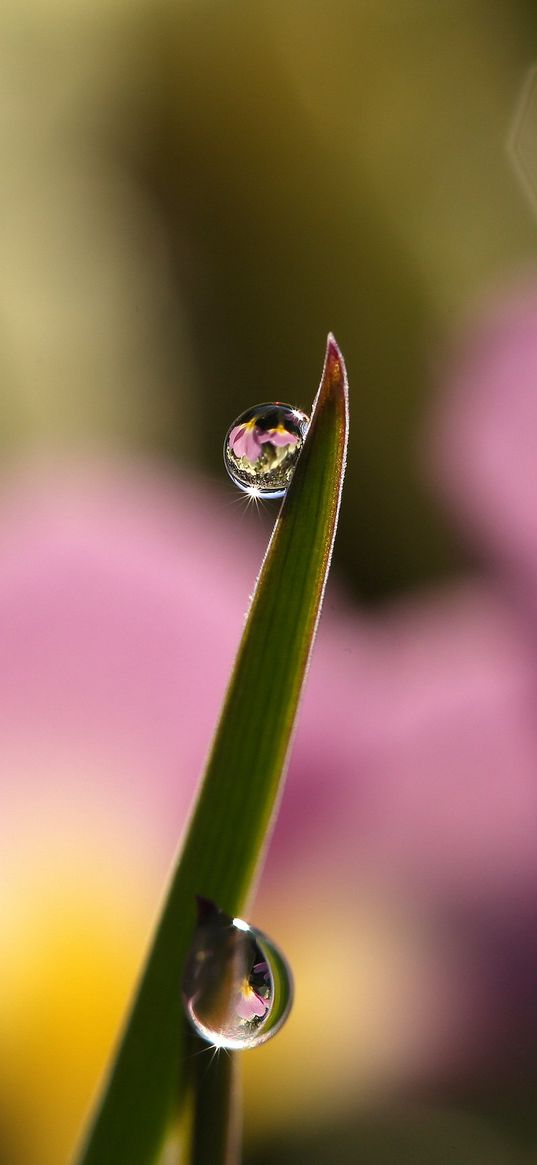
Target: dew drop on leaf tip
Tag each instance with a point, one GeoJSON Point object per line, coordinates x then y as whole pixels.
{"type": "Point", "coordinates": [262, 447]}
{"type": "Point", "coordinates": [237, 985]}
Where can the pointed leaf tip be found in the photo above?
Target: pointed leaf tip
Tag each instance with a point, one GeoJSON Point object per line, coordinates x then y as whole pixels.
{"type": "Point", "coordinates": [334, 378]}
{"type": "Point", "coordinates": [334, 362]}
{"type": "Point", "coordinates": [333, 351]}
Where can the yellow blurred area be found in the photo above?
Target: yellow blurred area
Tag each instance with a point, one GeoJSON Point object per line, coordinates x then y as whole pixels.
{"type": "Point", "coordinates": [73, 937]}
{"type": "Point", "coordinates": [363, 1011]}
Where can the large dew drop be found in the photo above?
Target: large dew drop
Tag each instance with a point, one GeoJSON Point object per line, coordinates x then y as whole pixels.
{"type": "Point", "coordinates": [262, 447]}
{"type": "Point", "coordinates": [237, 986]}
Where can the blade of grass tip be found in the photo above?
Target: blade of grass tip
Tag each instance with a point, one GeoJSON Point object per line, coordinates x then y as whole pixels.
{"type": "Point", "coordinates": [238, 797]}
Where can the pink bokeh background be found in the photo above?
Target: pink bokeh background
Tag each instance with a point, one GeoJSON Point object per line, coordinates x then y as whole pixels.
{"type": "Point", "coordinates": [403, 868]}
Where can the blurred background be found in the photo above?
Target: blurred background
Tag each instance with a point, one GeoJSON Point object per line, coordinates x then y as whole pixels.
{"type": "Point", "coordinates": [191, 196]}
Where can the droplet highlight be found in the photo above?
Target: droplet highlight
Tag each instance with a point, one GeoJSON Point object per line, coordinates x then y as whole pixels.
{"type": "Point", "coordinates": [237, 985]}
{"type": "Point", "coordinates": [262, 447]}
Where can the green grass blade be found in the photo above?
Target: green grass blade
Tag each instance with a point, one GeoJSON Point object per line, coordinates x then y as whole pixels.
{"type": "Point", "coordinates": [216, 1115]}
{"type": "Point", "coordinates": [238, 797]}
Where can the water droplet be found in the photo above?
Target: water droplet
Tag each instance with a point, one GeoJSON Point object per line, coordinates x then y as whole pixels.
{"type": "Point", "coordinates": [262, 447]}
{"type": "Point", "coordinates": [237, 986]}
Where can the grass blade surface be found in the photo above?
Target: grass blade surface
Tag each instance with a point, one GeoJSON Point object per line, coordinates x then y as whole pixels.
{"type": "Point", "coordinates": [239, 793]}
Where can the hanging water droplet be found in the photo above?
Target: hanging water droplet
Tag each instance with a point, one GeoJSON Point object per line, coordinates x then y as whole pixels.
{"type": "Point", "coordinates": [262, 447]}
{"type": "Point", "coordinates": [237, 986]}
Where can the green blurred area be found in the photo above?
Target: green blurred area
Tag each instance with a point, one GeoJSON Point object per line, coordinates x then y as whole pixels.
{"type": "Point", "coordinates": [193, 194]}
{"type": "Point", "coordinates": [431, 1136]}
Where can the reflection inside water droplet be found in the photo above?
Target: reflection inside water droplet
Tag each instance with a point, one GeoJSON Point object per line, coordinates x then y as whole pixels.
{"type": "Point", "coordinates": [262, 447]}
{"type": "Point", "coordinates": [237, 986]}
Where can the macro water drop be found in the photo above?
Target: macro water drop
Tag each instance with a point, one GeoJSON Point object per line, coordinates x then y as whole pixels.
{"type": "Point", "coordinates": [237, 986]}
{"type": "Point", "coordinates": [262, 448]}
